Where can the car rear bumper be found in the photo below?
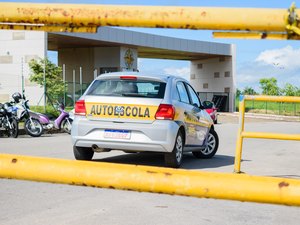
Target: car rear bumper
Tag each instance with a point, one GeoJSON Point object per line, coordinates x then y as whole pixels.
{"type": "Point", "coordinates": [158, 136]}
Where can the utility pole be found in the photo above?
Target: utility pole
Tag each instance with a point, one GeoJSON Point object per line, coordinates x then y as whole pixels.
{"type": "Point", "coordinates": [45, 91]}
{"type": "Point", "coordinates": [22, 76]}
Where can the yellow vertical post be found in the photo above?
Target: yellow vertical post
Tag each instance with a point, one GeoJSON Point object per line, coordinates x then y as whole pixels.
{"type": "Point", "coordinates": [239, 142]}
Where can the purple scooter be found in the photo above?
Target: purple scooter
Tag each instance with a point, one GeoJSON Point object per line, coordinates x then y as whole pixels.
{"type": "Point", "coordinates": [63, 121]}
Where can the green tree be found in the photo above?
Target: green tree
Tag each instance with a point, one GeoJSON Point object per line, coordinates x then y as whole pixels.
{"type": "Point", "coordinates": [249, 91]}
{"type": "Point", "coordinates": [54, 81]}
{"type": "Point", "coordinates": [297, 92]}
{"type": "Point", "coordinates": [290, 90]}
{"type": "Point", "coordinates": [238, 92]}
{"type": "Point", "coordinates": [269, 86]}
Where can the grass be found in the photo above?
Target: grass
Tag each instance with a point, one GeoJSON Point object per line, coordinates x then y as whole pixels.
{"type": "Point", "coordinates": [276, 108]}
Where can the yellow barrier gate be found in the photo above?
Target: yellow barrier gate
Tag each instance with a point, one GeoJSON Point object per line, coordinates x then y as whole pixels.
{"type": "Point", "coordinates": [249, 22]}
{"type": "Point", "coordinates": [239, 187]}
{"type": "Point", "coordinates": [243, 134]}
{"type": "Point", "coordinates": [257, 23]}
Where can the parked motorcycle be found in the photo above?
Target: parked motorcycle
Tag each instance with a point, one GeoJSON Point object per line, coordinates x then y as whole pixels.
{"type": "Point", "coordinates": [35, 123]}
{"type": "Point", "coordinates": [8, 121]}
{"type": "Point", "coordinates": [32, 125]}
{"type": "Point", "coordinates": [62, 122]}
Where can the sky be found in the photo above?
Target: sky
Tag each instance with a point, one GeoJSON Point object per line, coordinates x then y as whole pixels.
{"type": "Point", "coordinates": [256, 59]}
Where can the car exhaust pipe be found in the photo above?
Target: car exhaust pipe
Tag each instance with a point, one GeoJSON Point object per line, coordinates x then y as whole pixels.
{"type": "Point", "coordinates": [96, 148]}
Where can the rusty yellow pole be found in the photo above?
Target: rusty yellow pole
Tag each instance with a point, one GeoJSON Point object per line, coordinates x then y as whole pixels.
{"type": "Point", "coordinates": [268, 98]}
{"type": "Point", "coordinates": [288, 137]}
{"type": "Point", "coordinates": [48, 28]}
{"type": "Point", "coordinates": [239, 187]}
{"type": "Point", "coordinates": [239, 141]}
{"type": "Point", "coordinates": [212, 18]}
{"type": "Point", "coordinates": [242, 134]}
{"type": "Point", "coordinates": [255, 35]}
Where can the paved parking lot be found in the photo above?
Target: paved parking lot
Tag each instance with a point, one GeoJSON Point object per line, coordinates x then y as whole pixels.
{"type": "Point", "coordinates": [24, 202]}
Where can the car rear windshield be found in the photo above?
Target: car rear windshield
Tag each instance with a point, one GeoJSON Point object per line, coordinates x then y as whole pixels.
{"type": "Point", "coordinates": [128, 88]}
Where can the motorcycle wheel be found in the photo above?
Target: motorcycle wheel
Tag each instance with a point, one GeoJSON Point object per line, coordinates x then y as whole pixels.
{"type": "Point", "coordinates": [35, 129]}
{"type": "Point", "coordinates": [67, 125]}
{"type": "Point", "coordinates": [14, 132]}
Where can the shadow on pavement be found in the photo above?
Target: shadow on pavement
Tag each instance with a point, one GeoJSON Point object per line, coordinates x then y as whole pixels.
{"type": "Point", "coordinates": [157, 159]}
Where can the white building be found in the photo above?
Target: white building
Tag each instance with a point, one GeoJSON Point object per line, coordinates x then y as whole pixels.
{"type": "Point", "coordinates": [85, 55]}
{"type": "Point", "coordinates": [17, 48]}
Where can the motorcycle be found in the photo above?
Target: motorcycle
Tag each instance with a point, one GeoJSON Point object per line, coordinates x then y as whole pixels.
{"type": "Point", "coordinates": [32, 124]}
{"type": "Point", "coordinates": [35, 123]}
{"type": "Point", "coordinates": [62, 122]}
{"type": "Point", "coordinates": [8, 121]}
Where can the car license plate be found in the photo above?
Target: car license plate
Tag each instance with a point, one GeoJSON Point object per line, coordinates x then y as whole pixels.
{"type": "Point", "coordinates": [117, 134]}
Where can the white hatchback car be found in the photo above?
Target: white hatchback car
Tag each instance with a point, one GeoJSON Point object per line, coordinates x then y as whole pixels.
{"type": "Point", "coordinates": [135, 112]}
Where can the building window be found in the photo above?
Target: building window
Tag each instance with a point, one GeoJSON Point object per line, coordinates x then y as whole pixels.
{"type": "Point", "coordinates": [227, 90]}
{"type": "Point", "coordinates": [227, 74]}
{"type": "Point", "coordinates": [205, 85]}
{"type": "Point", "coordinates": [193, 76]}
{"type": "Point", "coordinates": [200, 66]}
{"type": "Point", "coordinates": [18, 35]}
{"type": "Point", "coordinates": [216, 75]}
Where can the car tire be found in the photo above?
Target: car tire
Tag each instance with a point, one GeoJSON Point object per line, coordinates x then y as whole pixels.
{"type": "Point", "coordinates": [83, 153]}
{"type": "Point", "coordinates": [174, 158]}
{"type": "Point", "coordinates": [211, 148]}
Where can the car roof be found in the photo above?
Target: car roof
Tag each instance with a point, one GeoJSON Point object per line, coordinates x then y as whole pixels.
{"type": "Point", "coordinates": [157, 76]}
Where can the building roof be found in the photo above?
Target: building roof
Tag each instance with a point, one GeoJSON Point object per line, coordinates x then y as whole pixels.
{"type": "Point", "coordinates": [148, 45]}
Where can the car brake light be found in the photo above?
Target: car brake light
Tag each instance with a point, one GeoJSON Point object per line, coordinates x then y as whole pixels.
{"type": "Point", "coordinates": [128, 77]}
{"type": "Point", "coordinates": [165, 112]}
{"type": "Point", "coordinates": [80, 108]}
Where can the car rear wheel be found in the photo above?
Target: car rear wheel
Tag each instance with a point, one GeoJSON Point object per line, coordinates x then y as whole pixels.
{"type": "Point", "coordinates": [174, 158]}
{"type": "Point", "coordinates": [83, 153]}
{"type": "Point", "coordinates": [211, 148]}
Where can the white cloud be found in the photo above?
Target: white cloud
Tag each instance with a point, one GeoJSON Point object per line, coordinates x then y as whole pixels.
{"type": "Point", "coordinates": [181, 72]}
{"type": "Point", "coordinates": [284, 58]}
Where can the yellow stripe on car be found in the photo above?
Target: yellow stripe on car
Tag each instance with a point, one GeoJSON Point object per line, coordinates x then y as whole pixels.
{"type": "Point", "coordinates": [125, 111]}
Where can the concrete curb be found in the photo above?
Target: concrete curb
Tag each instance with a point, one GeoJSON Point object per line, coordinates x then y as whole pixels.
{"type": "Point", "coordinates": [23, 132]}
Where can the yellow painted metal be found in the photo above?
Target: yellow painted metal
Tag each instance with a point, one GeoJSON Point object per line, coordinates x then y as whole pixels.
{"type": "Point", "coordinates": [239, 140]}
{"type": "Point", "coordinates": [48, 28]}
{"type": "Point", "coordinates": [239, 187]}
{"type": "Point", "coordinates": [255, 35]}
{"type": "Point", "coordinates": [212, 18]}
{"type": "Point", "coordinates": [267, 98]}
{"type": "Point", "coordinates": [289, 137]}
{"type": "Point", "coordinates": [242, 134]}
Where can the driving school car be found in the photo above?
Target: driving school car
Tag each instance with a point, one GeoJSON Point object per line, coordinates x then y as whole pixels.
{"type": "Point", "coordinates": [134, 112]}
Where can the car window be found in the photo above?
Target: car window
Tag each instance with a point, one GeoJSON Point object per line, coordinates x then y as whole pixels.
{"type": "Point", "coordinates": [128, 88]}
{"type": "Point", "coordinates": [183, 95]}
{"type": "Point", "coordinates": [194, 98]}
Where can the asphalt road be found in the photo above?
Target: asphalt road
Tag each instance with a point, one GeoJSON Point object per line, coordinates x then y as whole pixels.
{"type": "Point", "coordinates": [25, 202]}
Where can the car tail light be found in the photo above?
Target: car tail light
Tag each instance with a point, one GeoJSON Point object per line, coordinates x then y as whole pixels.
{"type": "Point", "coordinates": [165, 112]}
{"type": "Point", "coordinates": [80, 108]}
{"type": "Point", "coordinates": [128, 77]}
